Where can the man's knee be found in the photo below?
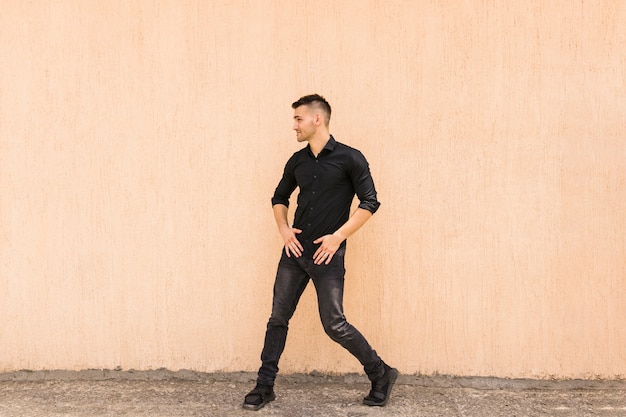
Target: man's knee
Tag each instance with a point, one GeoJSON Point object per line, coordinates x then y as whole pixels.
{"type": "Point", "coordinates": [277, 322]}
{"type": "Point", "coordinates": [337, 330]}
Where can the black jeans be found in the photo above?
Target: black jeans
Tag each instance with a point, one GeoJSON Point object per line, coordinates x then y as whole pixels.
{"type": "Point", "coordinates": [292, 278]}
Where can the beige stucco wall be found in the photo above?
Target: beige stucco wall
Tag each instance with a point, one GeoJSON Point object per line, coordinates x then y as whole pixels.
{"type": "Point", "coordinates": [140, 142]}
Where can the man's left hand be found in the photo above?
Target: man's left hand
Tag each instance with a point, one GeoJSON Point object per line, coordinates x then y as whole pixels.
{"type": "Point", "coordinates": [328, 247]}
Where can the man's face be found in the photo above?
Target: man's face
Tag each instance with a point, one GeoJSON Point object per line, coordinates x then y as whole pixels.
{"type": "Point", "coordinates": [304, 123]}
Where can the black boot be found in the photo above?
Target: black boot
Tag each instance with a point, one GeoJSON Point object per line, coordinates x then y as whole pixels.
{"type": "Point", "coordinates": [381, 389]}
{"type": "Point", "coordinates": [258, 397]}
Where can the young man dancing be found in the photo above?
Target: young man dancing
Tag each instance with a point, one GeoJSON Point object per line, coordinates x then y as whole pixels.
{"type": "Point", "coordinates": [328, 174]}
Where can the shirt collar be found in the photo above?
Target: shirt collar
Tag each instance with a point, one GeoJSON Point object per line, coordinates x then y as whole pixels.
{"type": "Point", "coordinates": [330, 145]}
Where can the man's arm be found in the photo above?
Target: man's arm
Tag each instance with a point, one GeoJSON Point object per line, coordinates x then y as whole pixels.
{"type": "Point", "coordinates": [292, 245]}
{"type": "Point", "coordinates": [330, 243]}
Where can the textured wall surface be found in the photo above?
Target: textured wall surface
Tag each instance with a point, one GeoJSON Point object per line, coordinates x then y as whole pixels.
{"type": "Point", "coordinates": [141, 141]}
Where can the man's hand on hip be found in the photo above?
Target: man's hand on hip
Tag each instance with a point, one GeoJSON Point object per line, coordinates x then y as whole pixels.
{"type": "Point", "coordinates": [328, 247]}
{"type": "Point", "coordinates": [292, 245]}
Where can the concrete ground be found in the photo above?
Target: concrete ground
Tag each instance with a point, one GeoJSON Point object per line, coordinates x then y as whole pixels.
{"type": "Point", "coordinates": [186, 393]}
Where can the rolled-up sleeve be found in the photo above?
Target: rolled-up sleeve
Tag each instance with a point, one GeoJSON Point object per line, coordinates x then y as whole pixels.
{"type": "Point", "coordinates": [364, 184]}
{"type": "Point", "coordinates": [286, 185]}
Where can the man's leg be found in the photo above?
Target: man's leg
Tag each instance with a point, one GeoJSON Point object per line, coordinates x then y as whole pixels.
{"type": "Point", "coordinates": [291, 280]}
{"type": "Point", "coordinates": [329, 284]}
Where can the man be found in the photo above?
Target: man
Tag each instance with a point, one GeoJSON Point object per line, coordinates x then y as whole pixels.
{"type": "Point", "coordinates": [329, 174]}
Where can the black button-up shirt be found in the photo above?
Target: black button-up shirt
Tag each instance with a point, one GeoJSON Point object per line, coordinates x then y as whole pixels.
{"type": "Point", "coordinates": [327, 185]}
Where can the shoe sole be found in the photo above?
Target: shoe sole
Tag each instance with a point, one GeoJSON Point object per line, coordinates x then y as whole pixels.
{"type": "Point", "coordinates": [253, 407]}
{"type": "Point", "coordinates": [392, 380]}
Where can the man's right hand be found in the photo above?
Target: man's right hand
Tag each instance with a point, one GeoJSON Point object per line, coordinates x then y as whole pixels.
{"type": "Point", "coordinates": [292, 245]}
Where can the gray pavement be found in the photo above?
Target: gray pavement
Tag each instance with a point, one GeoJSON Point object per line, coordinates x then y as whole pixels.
{"type": "Point", "coordinates": [186, 393]}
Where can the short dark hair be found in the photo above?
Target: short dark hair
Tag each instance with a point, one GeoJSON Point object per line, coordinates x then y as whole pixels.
{"type": "Point", "coordinates": [314, 100]}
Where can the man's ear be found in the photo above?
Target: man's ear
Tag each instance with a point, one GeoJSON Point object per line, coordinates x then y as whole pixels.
{"type": "Point", "coordinates": [319, 119]}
